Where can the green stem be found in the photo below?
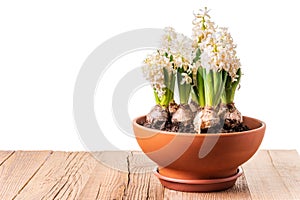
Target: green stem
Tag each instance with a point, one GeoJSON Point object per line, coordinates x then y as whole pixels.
{"type": "Point", "coordinates": [169, 90]}
{"type": "Point", "coordinates": [184, 93]}
{"type": "Point", "coordinates": [172, 86]}
{"type": "Point", "coordinates": [184, 89]}
{"type": "Point", "coordinates": [221, 78]}
{"type": "Point", "coordinates": [157, 100]}
{"type": "Point", "coordinates": [209, 87]}
{"type": "Point", "coordinates": [194, 95]}
{"type": "Point", "coordinates": [216, 81]}
{"type": "Point", "coordinates": [200, 87]}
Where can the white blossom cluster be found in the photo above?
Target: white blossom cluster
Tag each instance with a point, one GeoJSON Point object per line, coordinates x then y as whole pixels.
{"type": "Point", "coordinates": [178, 45]}
{"type": "Point", "coordinates": [175, 52]}
{"type": "Point", "coordinates": [203, 27]}
{"type": "Point", "coordinates": [216, 46]}
{"type": "Point", "coordinates": [153, 71]}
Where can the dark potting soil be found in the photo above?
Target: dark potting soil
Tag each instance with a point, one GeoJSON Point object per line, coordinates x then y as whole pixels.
{"type": "Point", "coordinates": [177, 127]}
{"type": "Point", "coordinates": [240, 128]}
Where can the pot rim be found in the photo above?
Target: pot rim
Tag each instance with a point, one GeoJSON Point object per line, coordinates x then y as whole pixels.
{"type": "Point", "coordinates": [262, 126]}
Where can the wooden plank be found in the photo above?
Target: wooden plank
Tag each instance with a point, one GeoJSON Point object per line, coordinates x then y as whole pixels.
{"type": "Point", "coordinates": [128, 175]}
{"type": "Point", "coordinates": [4, 155]}
{"type": "Point", "coordinates": [62, 177]}
{"type": "Point", "coordinates": [263, 179]}
{"type": "Point", "coordinates": [287, 164]}
{"type": "Point", "coordinates": [92, 187]}
{"type": "Point", "coordinates": [143, 184]}
{"type": "Point", "coordinates": [110, 177]}
{"type": "Point", "coordinates": [238, 191]}
{"type": "Point", "coordinates": [18, 170]}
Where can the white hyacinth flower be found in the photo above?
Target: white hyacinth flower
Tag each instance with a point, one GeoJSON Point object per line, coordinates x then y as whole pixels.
{"type": "Point", "coordinates": [186, 79]}
{"type": "Point", "coordinates": [175, 52]}
{"type": "Point", "coordinates": [218, 52]}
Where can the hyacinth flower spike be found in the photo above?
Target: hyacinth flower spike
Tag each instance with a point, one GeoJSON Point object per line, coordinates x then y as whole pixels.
{"type": "Point", "coordinates": [214, 62]}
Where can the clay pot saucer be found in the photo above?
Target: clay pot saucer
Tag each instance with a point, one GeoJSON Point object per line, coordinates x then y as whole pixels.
{"type": "Point", "coordinates": [201, 185]}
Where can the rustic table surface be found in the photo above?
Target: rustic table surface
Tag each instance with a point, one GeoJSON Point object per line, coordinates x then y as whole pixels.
{"type": "Point", "coordinates": [127, 175]}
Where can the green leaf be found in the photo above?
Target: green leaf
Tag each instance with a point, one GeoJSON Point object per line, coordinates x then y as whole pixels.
{"type": "Point", "coordinates": [184, 89]}
{"type": "Point", "coordinates": [198, 54]}
{"type": "Point", "coordinates": [200, 88]}
{"type": "Point", "coordinates": [157, 100]}
{"type": "Point", "coordinates": [235, 85]}
{"type": "Point", "coordinates": [230, 88]}
{"type": "Point", "coordinates": [171, 58]}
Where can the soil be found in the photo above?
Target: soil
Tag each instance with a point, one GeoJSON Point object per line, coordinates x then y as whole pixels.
{"type": "Point", "coordinates": [176, 127]}
{"type": "Point", "coordinates": [240, 128]}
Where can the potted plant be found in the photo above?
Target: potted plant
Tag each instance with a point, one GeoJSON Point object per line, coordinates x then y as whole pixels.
{"type": "Point", "coordinates": [200, 143]}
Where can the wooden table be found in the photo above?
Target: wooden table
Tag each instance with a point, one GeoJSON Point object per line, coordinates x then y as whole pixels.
{"type": "Point", "coordinates": [127, 175]}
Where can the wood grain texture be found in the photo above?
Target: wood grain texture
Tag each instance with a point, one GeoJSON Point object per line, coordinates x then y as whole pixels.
{"type": "Point", "coordinates": [287, 165]}
{"type": "Point", "coordinates": [109, 179]}
{"type": "Point", "coordinates": [4, 155]}
{"type": "Point", "coordinates": [17, 171]}
{"type": "Point", "coordinates": [62, 176]}
{"type": "Point", "coordinates": [128, 176]}
{"type": "Point", "coordinates": [143, 184]}
{"type": "Point", "coordinates": [265, 178]}
{"type": "Point", "coordinates": [238, 191]}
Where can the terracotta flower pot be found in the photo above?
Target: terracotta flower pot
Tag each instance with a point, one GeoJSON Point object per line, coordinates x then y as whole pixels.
{"type": "Point", "coordinates": [199, 162]}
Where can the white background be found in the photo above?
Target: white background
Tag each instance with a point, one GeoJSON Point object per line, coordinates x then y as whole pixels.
{"type": "Point", "coordinates": [44, 43]}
